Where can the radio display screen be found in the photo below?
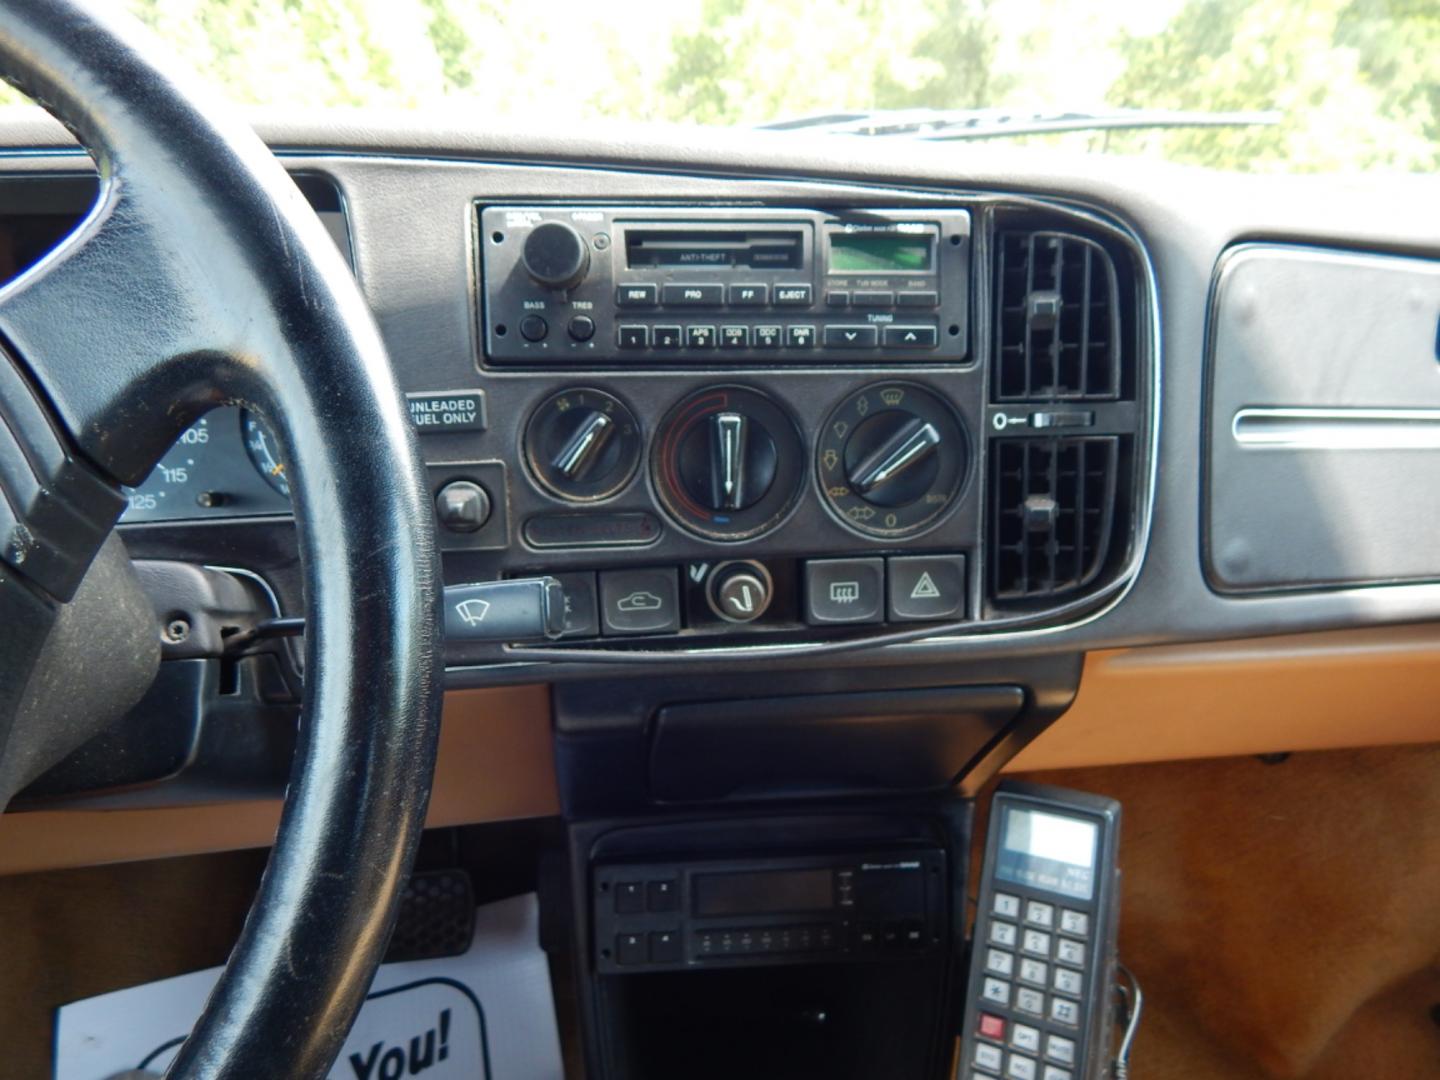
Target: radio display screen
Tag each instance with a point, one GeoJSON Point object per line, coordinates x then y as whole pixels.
{"type": "Point", "coordinates": [1048, 851]}
{"type": "Point", "coordinates": [880, 253]}
{"type": "Point", "coordinates": [766, 892]}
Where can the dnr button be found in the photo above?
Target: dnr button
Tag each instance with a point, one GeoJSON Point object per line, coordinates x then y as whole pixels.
{"type": "Point", "coordinates": [445, 411]}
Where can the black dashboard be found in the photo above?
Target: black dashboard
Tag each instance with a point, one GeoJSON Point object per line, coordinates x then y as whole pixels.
{"type": "Point", "coordinates": [793, 420]}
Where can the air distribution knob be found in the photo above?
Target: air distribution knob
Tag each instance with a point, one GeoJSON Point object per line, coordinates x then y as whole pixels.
{"type": "Point", "coordinates": [556, 255]}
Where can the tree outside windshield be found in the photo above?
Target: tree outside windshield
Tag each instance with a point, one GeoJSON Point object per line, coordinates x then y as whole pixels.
{"type": "Point", "coordinates": [1356, 83]}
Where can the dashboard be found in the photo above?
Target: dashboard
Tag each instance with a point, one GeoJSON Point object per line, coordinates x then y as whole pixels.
{"type": "Point", "coordinates": [805, 429]}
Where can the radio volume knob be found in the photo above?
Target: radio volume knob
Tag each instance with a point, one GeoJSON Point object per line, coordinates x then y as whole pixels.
{"type": "Point", "coordinates": [556, 255]}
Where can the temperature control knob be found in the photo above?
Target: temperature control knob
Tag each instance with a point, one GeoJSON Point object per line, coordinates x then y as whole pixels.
{"type": "Point", "coordinates": [892, 459]}
{"type": "Point", "coordinates": [582, 444]}
{"type": "Point", "coordinates": [727, 463]}
{"type": "Point", "coordinates": [556, 255]}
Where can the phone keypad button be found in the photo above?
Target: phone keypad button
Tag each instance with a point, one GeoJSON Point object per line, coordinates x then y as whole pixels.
{"type": "Point", "coordinates": [1036, 943]}
{"type": "Point", "coordinates": [1064, 1012]}
{"type": "Point", "coordinates": [1020, 1067]}
{"type": "Point", "coordinates": [1058, 1048]}
{"type": "Point", "coordinates": [1067, 981]}
{"type": "Point", "coordinates": [987, 1057]}
{"type": "Point", "coordinates": [1070, 952]}
{"type": "Point", "coordinates": [1025, 1037]}
{"type": "Point", "coordinates": [1029, 1001]}
{"type": "Point", "coordinates": [1006, 906]}
{"type": "Point", "coordinates": [1033, 972]}
{"type": "Point", "coordinates": [1038, 914]}
{"type": "Point", "coordinates": [1002, 933]}
{"type": "Point", "coordinates": [996, 990]}
{"type": "Point", "coordinates": [1074, 922]}
{"type": "Point", "coordinates": [998, 962]}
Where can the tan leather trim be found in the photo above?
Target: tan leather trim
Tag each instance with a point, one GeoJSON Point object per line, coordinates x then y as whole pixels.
{"type": "Point", "coordinates": [1267, 695]}
{"type": "Point", "coordinates": [496, 762]}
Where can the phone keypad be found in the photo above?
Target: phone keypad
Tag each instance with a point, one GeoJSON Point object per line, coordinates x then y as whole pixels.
{"type": "Point", "coordinates": [1031, 1014]}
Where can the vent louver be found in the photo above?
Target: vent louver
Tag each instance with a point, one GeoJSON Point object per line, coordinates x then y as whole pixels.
{"type": "Point", "coordinates": [1058, 323]}
{"type": "Point", "coordinates": [1052, 515]}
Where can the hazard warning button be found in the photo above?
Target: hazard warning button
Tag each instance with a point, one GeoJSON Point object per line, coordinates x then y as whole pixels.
{"type": "Point", "coordinates": [924, 588]}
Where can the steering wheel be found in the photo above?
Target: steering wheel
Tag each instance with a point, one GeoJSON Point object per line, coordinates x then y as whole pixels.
{"type": "Point", "coordinates": [203, 278]}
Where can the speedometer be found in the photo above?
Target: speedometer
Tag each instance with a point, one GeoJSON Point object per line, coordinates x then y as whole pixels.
{"type": "Point", "coordinates": [265, 454]}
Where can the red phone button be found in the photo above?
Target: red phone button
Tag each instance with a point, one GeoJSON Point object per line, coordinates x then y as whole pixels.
{"type": "Point", "coordinates": [992, 1027]}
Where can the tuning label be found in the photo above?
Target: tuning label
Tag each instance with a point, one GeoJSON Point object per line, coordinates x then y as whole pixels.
{"type": "Point", "coordinates": [892, 458]}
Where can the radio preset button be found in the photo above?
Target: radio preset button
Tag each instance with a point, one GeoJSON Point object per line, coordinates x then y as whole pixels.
{"type": "Point", "coordinates": [768, 337]}
{"type": "Point", "coordinates": [633, 337]}
{"type": "Point", "coordinates": [851, 337]}
{"type": "Point", "coordinates": [629, 898]}
{"type": "Point", "coordinates": [637, 295]}
{"type": "Point", "coordinates": [734, 337]}
{"type": "Point", "coordinates": [799, 295]}
{"type": "Point", "coordinates": [917, 299]}
{"type": "Point", "coordinates": [749, 295]}
{"type": "Point", "coordinates": [872, 298]}
{"type": "Point", "coordinates": [911, 337]}
{"type": "Point", "coordinates": [680, 295]}
{"type": "Point", "coordinates": [665, 947]}
{"type": "Point", "coordinates": [800, 337]}
{"type": "Point", "coordinates": [667, 337]}
{"type": "Point", "coordinates": [700, 337]}
{"type": "Point", "coordinates": [630, 949]}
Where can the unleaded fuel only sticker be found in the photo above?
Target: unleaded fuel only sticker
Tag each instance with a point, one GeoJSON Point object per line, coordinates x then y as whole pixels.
{"type": "Point", "coordinates": [445, 411]}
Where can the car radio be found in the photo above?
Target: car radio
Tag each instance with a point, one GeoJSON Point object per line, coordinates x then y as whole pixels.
{"type": "Point", "coordinates": [875, 905]}
{"type": "Point", "coordinates": [606, 286]}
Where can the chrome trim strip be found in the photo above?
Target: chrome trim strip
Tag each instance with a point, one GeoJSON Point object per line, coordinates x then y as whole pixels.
{"type": "Point", "coordinates": [1337, 429]}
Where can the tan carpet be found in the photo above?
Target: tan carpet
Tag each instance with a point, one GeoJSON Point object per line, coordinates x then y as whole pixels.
{"type": "Point", "coordinates": [1284, 920]}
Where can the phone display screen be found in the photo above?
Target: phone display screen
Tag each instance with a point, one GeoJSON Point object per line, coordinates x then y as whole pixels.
{"type": "Point", "coordinates": [1053, 852]}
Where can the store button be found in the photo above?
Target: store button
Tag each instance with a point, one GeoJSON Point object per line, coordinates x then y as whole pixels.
{"type": "Point", "coordinates": [840, 591]}
{"type": "Point", "coordinates": [927, 587]}
{"type": "Point", "coordinates": [640, 601]}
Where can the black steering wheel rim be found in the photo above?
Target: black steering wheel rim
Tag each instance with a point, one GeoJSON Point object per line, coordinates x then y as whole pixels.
{"type": "Point", "coordinates": [212, 283]}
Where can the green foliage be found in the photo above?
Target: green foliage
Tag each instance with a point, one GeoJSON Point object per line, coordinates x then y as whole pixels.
{"type": "Point", "coordinates": [1357, 82]}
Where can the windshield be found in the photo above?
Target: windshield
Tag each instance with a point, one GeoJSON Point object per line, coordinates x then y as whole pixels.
{"type": "Point", "coordinates": [1322, 85]}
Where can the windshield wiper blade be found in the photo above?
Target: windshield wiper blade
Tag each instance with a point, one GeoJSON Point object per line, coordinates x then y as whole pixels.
{"type": "Point", "coordinates": [956, 124]}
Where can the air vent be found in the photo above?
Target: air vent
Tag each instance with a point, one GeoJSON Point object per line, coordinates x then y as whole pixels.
{"type": "Point", "coordinates": [1052, 514]}
{"type": "Point", "coordinates": [1058, 325]}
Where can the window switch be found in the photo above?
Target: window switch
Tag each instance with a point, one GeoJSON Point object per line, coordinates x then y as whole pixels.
{"type": "Point", "coordinates": [661, 896]}
{"type": "Point", "coordinates": [629, 898]}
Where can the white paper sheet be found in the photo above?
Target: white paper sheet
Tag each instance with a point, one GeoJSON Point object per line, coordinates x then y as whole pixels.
{"type": "Point", "coordinates": [485, 1015]}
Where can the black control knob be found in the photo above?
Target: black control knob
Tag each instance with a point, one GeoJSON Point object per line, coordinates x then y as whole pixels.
{"type": "Point", "coordinates": [583, 444]}
{"type": "Point", "coordinates": [728, 462]}
{"type": "Point", "coordinates": [740, 592]}
{"type": "Point", "coordinates": [892, 459]}
{"type": "Point", "coordinates": [556, 255]}
{"type": "Point", "coordinates": [462, 506]}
